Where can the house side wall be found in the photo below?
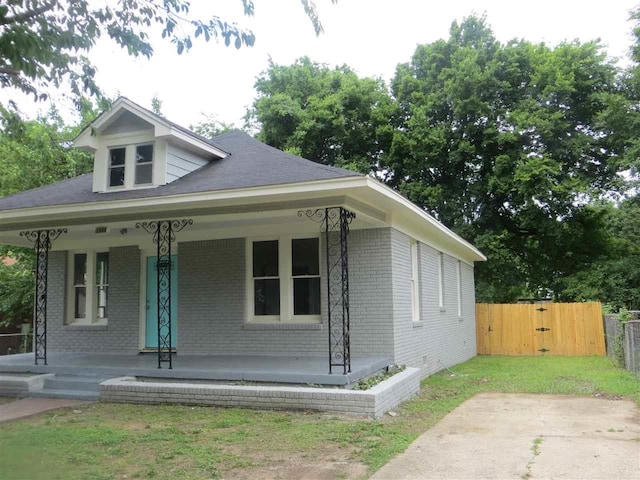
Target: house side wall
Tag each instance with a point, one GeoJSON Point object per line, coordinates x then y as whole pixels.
{"type": "Point", "coordinates": [441, 338]}
{"type": "Point", "coordinates": [180, 162]}
{"type": "Point", "coordinates": [212, 302]}
{"type": "Point", "coordinates": [121, 333]}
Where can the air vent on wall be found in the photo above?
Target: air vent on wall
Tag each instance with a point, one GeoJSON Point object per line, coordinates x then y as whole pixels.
{"type": "Point", "coordinates": [100, 230]}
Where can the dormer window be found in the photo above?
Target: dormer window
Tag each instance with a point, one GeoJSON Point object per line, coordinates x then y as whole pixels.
{"type": "Point", "coordinates": [130, 166]}
{"type": "Point", "coordinates": [117, 166]}
{"type": "Point", "coordinates": [144, 164]}
{"type": "Point", "coordinates": [136, 149]}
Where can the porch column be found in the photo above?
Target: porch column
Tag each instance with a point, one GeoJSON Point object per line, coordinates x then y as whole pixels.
{"type": "Point", "coordinates": [334, 223]}
{"type": "Point", "coordinates": [41, 240]}
{"type": "Point", "coordinates": [164, 234]}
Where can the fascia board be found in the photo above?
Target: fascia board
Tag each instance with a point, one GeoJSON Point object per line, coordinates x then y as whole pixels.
{"type": "Point", "coordinates": [195, 142]}
{"type": "Point", "coordinates": [411, 212]}
{"type": "Point", "coordinates": [222, 198]}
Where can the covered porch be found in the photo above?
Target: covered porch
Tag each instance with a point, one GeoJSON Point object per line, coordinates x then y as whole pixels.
{"type": "Point", "coordinates": [272, 369]}
{"type": "Point", "coordinates": [188, 298]}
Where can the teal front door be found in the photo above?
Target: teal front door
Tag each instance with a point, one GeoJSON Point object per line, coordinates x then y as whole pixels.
{"type": "Point", "coordinates": [151, 335]}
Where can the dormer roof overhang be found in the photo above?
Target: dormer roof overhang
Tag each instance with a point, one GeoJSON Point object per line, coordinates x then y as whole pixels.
{"type": "Point", "coordinates": [162, 128]}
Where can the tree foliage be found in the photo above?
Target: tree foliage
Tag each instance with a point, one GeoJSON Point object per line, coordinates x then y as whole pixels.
{"type": "Point", "coordinates": [613, 278]}
{"type": "Point", "coordinates": [209, 126]}
{"type": "Point", "coordinates": [328, 115]}
{"type": "Point", "coordinates": [46, 42]}
{"type": "Point", "coordinates": [33, 154]}
{"type": "Point", "coordinates": [505, 144]}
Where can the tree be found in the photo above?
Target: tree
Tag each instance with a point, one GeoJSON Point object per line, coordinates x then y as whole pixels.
{"type": "Point", "coordinates": [506, 144]}
{"type": "Point", "coordinates": [210, 126]}
{"type": "Point", "coordinates": [615, 277]}
{"type": "Point", "coordinates": [44, 42]}
{"type": "Point", "coordinates": [33, 154]}
{"type": "Point", "coordinates": [38, 152]}
{"type": "Point", "coordinates": [327, 115]}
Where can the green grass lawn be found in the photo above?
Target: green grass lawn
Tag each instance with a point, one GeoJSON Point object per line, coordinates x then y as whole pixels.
{"type": "Point", "coordinates": [101, 441]}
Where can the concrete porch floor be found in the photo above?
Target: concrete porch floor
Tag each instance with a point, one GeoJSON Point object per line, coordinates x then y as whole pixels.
{"type": "Point", "coordinates": [255, 368]}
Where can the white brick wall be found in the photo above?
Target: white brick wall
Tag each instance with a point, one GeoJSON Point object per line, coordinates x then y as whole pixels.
{"type": "Point", "coordinates": [212, 311]}
{"type": "Point", "coordinates": [121, 333]}
{"type": "Point", "coordinates": [371, 403]}
{"type": "Point", "coordinates": [441, 339]}
{"type": "Point", "coordinates": [211, 308]}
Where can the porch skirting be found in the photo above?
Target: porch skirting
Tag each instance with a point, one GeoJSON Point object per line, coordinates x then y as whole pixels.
{"type": "Point", "coordinates": [372, 403]}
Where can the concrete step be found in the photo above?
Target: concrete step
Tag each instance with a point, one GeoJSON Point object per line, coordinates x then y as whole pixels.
{"type": "Point", "coordinates": [71, 382]}
{"type": "Point", "coordinates": [80, 387]}
{"type": "Point", "coordinates": [71, 394]}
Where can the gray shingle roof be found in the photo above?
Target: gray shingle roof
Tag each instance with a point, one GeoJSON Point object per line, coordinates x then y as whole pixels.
{"type": "Point", "coordinates": [250, 164]}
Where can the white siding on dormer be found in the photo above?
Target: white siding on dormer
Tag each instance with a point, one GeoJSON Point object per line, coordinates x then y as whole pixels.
{"type": "Point", "coordinates": [180, 162]}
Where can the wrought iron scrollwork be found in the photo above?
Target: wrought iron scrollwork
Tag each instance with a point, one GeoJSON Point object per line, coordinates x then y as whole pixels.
{"type": "Point", "coordinates": [334, 223]}
{"type": "Point", "coordinates": [41, 240]}
{"type": "Point", "coordinates": [164, 234]}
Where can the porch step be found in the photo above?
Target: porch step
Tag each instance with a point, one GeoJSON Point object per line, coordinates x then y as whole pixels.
{"type": "Point", "coordinates": [80, 387]}
{"type": "Point", "coordinates": [70, 394]}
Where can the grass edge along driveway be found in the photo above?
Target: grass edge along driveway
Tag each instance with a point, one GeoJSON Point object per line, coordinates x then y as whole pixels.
{"type": "Point", "coordinates": [108, 441]}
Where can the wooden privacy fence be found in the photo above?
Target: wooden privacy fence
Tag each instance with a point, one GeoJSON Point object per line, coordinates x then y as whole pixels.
{"type": "Point", "coordinates": [565, 329]}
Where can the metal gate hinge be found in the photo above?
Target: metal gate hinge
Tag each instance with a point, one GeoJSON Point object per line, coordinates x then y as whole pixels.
{"type": "Point", "coordinates": [544, 350]}
{"type": "Point", "coordinates": [543, 329]}
{"type": "Point", "coordinates": [542, 309]}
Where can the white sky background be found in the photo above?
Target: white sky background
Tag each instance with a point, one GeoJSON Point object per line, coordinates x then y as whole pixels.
{"type": "Point", "coordinates": [370, 36]}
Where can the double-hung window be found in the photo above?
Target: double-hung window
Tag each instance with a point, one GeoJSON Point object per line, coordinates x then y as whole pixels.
{"type": "Point", "coordinates": [266, 279]}
{"type": "Point", "coordinates": [130, 166]}
{"type": "Point", "coordinates": [284, 280]}
{"type": "Point", "coordinates": [144, 164]}
{"type": "Point", "coordinates": [117, 166]}
{"type": "Point", "coordinates": [89, 288]}
{"type": "Point", "coordinates": [305, 272]}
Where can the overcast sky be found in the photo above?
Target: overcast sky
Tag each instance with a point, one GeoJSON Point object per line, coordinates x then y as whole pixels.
{"type": "Point", "coordinates": [371, 36]}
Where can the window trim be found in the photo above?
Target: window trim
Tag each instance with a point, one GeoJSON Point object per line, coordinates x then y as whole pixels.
{"type": "Point", "coordinates": [91, 303]}
{"type": "Point", "coordinates": [286, 282]}
{"type": "Point", "coordinates": [414, 281]}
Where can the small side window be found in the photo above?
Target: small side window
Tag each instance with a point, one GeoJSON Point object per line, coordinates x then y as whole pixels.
{"type": "Point", "coordinates": [144, 164]}
{"type": "Point", "coordinates": [116, 166]}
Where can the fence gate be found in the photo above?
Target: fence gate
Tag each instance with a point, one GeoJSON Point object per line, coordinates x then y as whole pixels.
{"type": "Point", "coordinates": [564, 329]}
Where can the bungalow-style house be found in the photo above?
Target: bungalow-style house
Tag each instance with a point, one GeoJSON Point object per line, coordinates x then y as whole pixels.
{"type": "Point", "coordinates": [201, 257]}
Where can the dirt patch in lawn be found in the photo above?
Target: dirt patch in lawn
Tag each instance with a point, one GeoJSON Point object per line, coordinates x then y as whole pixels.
{"type": "Point", "coordinates": [334, 461]}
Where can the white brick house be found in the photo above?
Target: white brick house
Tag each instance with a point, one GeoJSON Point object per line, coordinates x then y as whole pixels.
{"type": "Point", "coordinates": [258, 254]}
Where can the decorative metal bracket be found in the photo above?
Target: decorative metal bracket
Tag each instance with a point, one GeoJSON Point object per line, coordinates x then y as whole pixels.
{"type": "Point", "coordinates": [164, 234]}
{"type": "Point", "coordinates": [334, 223]}
{"type": "Point", "coordinates": [41, 240]}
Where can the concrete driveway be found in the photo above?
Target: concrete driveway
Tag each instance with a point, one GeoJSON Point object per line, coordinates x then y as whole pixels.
{"type": "Point", "coordinates": [513, 436]}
